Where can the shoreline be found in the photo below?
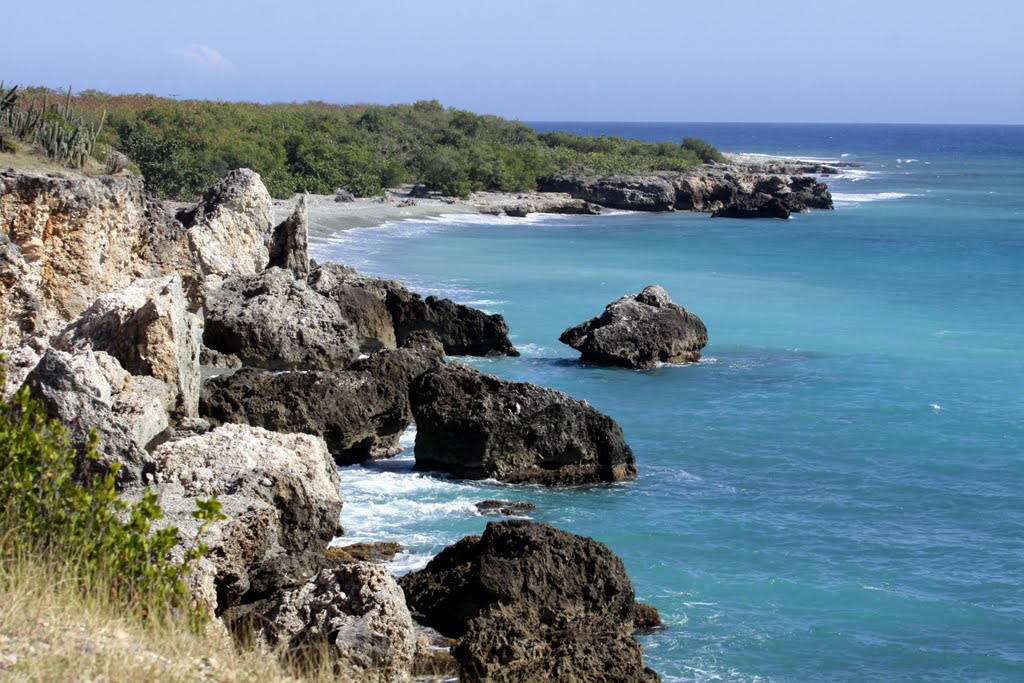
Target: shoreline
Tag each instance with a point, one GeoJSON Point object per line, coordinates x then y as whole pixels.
{"type": "Point", "coordinates": [328, 215]}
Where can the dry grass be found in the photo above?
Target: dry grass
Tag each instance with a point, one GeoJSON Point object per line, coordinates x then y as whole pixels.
{"type": "Point", "coordinates": [26, 158]}
{"type": "Point", "coordinates": [51, 633]}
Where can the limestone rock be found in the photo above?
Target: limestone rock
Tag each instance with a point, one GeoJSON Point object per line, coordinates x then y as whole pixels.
{"type": "Point", "coordinates": [359, 612]}
{"type": "Point", "coordinates": [462, 330]}
{"type": "Point", "coordinates": [271, 320]}
{"type": "Point", "coordinates": [640, 192]}
{"type": "Point", "coordinates": [360, 413]}
{"type": "Point", "coordinates": [639, 332]}
{"type": "Point", "coordinates": [281, 493]}
{"type": "Point", "coordinates": [65, 240]}
{"type": "Point", "coordinates": [477, 426]}
{"type": "Point", "coordinates": [531, 603]}
{"type": "Point", "coordinates": [387, 314]}
{"type": "Point", "coordinates": [289, 246]}
{"type": "Point", "coordinates": [89, 389]}
{"type": "Point", "coordinates": [230, 227]}
{"type": "Point", "coordinates": [147, 327]}
{"type": "Point", "coordinates": [362, 300]}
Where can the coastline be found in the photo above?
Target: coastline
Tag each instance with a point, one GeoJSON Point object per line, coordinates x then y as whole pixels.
{"type": "Point", "coordinates": [328, 215]}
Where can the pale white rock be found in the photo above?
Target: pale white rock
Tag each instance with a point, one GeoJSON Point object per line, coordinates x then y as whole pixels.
{"type": "Point", "coordinates": [147, 326]}
{"type": "Point", "coordinates": [359, 611]}
{"type": "Point", "coordinates": [230, 229]}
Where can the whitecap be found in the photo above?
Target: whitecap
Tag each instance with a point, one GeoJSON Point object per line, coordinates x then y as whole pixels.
{"type": "Point", "coordinates": [856, 198]}
{"type": "Point", "coordinates": [936, 407]}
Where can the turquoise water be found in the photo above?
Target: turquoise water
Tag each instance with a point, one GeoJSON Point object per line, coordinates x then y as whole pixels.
{"type": "Point", "coordinates": [836, 492]}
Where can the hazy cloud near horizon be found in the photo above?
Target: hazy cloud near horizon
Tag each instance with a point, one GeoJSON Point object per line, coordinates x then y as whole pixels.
{"type": "Point", "coordinates": [204, 57]}
{"type": "Point", "coordinates": [650, 60]}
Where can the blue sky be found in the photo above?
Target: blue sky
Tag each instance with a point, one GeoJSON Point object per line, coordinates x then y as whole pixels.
{"type": "Point", "coordinates": [645, 60]}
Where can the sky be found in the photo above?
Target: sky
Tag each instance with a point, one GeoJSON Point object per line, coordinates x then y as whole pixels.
{"type": "Point", "coordinates": [898, 61]}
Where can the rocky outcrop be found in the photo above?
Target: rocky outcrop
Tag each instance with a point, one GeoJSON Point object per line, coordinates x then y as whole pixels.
{"type": "Point", "coordinates": [289, 243]}
{"type": "Point", "coordinates": [148, 328]}
{"type": "Point", "coordinates": [271, 320]}
{"type": "Point", "coordinates": [462, 330]}
{"type": "Point", "coordinates": [647, 192]}
{"type": "Point", "coordinates": [477, 426]}
{"type": "Point", "coordinates": [67, 239]}
{"type": "Point", "coordinates": [639, 332]}
{"type": "Point", "coordinates": [90, 390]}
{"type": "Point", "coordinates": [230, 228]}
{"type": "Point", "coordinates": [362, 300]}
{"type": "Point", "coordinates": [387, 314]}
{"type": "Point", "coordinates": [528, 602]}
{"type": "Point", "coordinates": [524, 203]}
{"type": "Point", "coordinates": [736, 191]}
{"type": "Point", "coordinates": [360, 413]}
{"type": "Point", "coordinates": [281, 495]}
{"type": "Point", "coordinates": [355, 616]}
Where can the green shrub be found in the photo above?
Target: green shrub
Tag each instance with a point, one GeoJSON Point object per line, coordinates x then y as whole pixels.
{"type": "Point", "coordinates": [89, 534]}
{"type": "Point", "coordinates": [704, 150]}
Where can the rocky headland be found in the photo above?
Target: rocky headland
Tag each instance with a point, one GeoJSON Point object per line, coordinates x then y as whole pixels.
{"type": "Point", "coordinates": [115, 307]}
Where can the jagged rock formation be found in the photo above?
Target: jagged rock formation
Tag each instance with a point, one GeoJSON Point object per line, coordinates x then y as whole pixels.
{"type": "Point", "coordinates": [462, 330]}
{"type": "Point", "coordinates": [528, 602]}
{"type": "Point", "coordinates": [639, 332]}
{"type": "Point", "coordinates": [230, 228]}
{"type": "Point", "coordinates": [362, 300]}
{"type": "Point", "coordinates": [289, 244]}
{"type": "Point", "coordinates": [65, 240]}
{"type": "Point", "coordinates": [272, 320]}
{"type": "Point", "coordinates": [477, 426]}
{"type": "Point", "coordinates": [90, 390]}
{"type": "Point", "coordinates": [360, 413]}
{"type": "Point", "coordinates": [355, 616]}
{"type": "Point", "coordinates": [281, 494]}
{"type": "Point", "coordinates": [148, 328]}
{"type": "Point", "coordinates": [388, 314]}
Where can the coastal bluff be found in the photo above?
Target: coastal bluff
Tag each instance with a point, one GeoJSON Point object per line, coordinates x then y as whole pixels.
{"type": "Point", "coordinates": [116, 306]}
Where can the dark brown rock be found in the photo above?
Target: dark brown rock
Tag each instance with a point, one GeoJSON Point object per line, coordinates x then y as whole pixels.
{"type": "Point", "coordinates": [359, 415]}
{"type": "Point", "coordinates": [477, 426]}
{"type": "Point", "coordinates": [507, 508]}
{"type": "Point", "coordinates": [462, 330]}
{"type": "Point", "coordinates": [639, 332]}
{"type": "Point", "coordinates": [646, 617]}
{"type": "Point", "coordinates": [528, 602]}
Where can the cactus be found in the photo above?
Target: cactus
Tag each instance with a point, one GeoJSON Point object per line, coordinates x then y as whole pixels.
{"type": "Point", "coordinates": [61, 135]}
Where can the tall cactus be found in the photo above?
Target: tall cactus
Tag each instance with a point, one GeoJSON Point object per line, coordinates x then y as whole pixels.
{"type": "Point", "coordinates": [62, 136]}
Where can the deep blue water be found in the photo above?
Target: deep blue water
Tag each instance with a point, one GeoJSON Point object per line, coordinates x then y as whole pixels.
{"type": "Point", "coordinates": [836, 492]}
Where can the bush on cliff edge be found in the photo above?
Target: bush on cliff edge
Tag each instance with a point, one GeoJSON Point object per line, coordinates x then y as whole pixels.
{"type": "Point", "coordinates": [86, 534]}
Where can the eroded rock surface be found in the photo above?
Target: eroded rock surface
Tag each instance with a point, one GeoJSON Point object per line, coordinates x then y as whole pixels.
{"type": "Point", "coordinates": [289, 243]}
{"type": "Point", "coordinates": [358, 612]}
{"type": "Point", "coordinates": [280, 492]}
{"type": "Point", "coordinates": [640, 331]}
{"type": "Point", "coordinates": [528, 602]}
{"type": "Point", "coordinates": [358, 416]}
{"type": "Point", "coordinates": [90, 389]}
{"type": "Point", "coordinates": [148, 328]}
{"type": "Point", "coordinates": [271, 320]}
{"type": "Point", "coordinates": [230, 228]}
{"type": "Point", "coordinates": [477, 426]}
{"type": "Point", "coordinates": [67, 239]}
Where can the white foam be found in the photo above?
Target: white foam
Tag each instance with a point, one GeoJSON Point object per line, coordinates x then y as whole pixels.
{"type": "Point", "coordinates": [936, 407]}
{"type": "Point", "coordinates": [856, 198]}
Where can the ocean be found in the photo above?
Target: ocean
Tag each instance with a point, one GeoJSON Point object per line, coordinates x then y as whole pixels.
{"type": "Point", "coordinates": [836, 491]}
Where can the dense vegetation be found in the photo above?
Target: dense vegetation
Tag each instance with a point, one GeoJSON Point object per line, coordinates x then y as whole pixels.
{"type": "Point", "coordinates": [182, 147]}
{"type": "Point", "coordinates": [84, 532]}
